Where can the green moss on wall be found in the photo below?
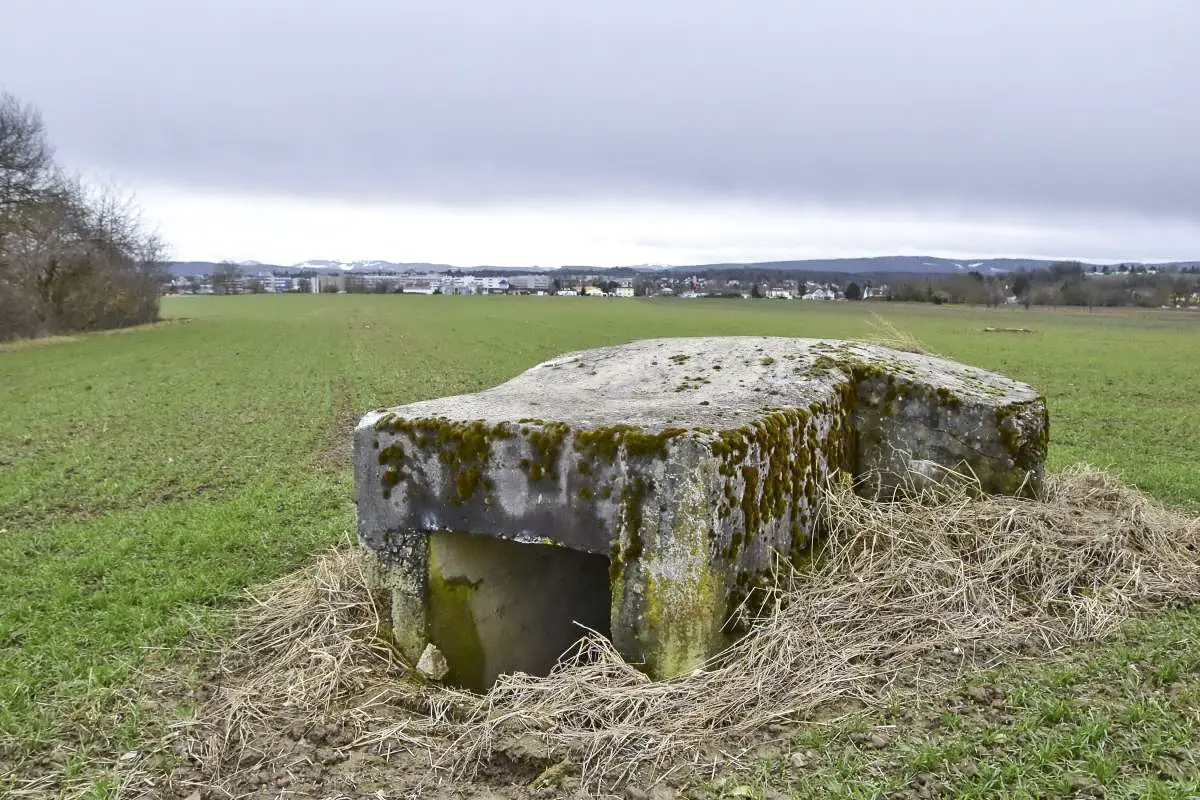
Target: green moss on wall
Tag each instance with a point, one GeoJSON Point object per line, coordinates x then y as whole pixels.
{"type": "Point", "coordinates": [453, 628]}
{"type": "Point", "coordinates": [603, 444]}
{"type": "Point", "coordinates": [1024, 430]}
{"type": "Point", "coordinates": [628, 543]}
{"type": "Point", "coordinates": [682, 612]}
{"type": "Point", "coordinates": [546, 441]}
{"type": "Point", "coordinates": [750, 510]}
{"type": "Point", "coordinates": [392, 454]}
{"type": "Point", "coordinates": [463, 447]}
{"type": "Point", "coordinates": [770, 466]}
{"type": "Point", "coordinates": [391, 476]}
{"type": "Point", "coordinates": [947, 398]}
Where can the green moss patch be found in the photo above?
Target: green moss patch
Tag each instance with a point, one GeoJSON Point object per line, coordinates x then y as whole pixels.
{"type": "Point", "coordinates": [603, 444]}
{"type": "Point", "coordinates": [463, 447]}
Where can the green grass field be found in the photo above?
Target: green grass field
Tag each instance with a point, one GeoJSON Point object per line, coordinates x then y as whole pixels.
{"type": "Point", "coordinates": [149, 475]}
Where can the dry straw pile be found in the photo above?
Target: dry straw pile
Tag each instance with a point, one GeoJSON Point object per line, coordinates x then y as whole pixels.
{"type": "Point", "coordinates": [892, 583]}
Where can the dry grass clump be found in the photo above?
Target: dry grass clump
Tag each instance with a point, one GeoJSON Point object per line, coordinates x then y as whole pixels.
{"type": "Point", "coordinates": [887, 334]}
{"type": "Point", "coordinates": [308, 643]}
{"type": "Point", "coordinates": [891, 582]}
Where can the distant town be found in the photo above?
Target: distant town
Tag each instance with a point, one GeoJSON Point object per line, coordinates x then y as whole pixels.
{"type": "Point", "coordinates": [689, 286]}
{"type": "Point", "coordinates": [1067, 283]}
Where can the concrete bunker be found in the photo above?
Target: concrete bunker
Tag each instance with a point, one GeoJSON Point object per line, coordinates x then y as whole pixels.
{"type": "Point", "coordinates": [497, 606]}
{"type": "Point", "coordinates": [670, 470]}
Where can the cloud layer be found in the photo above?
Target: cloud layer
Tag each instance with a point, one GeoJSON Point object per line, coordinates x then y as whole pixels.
{"type": "Point", "coordinates": [993, 109]}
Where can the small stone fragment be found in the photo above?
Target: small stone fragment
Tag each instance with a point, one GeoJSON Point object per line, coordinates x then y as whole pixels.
{"type": "Point", "coordinates": [432, 663]}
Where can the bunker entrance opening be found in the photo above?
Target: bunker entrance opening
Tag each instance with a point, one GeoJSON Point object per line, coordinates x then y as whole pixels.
{"type": "Point", "coordinates": [498, 606]}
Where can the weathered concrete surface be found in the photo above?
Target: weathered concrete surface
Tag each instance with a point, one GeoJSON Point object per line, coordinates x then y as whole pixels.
{"type": "Point", "coordinates": [686, 462]}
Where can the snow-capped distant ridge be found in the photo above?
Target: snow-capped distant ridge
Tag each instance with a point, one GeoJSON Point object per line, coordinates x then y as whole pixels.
{"type": "Point", "coordinates": [370, 265]}
{"type": "Point", "coordinates": [320, 263]}
{"type": "Point", "coordinates": [345, 266]}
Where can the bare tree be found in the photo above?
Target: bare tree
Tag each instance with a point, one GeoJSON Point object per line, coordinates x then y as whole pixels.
{"type": "Point", "coordinates": [26, 159]}
{"type": "Point", "coordinates": [72, 257]}
{"type": "Point", "coordinates": [225, 278]}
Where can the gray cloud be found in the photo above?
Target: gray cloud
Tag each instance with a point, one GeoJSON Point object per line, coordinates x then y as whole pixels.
{"type": "Point", "coordinates": [1074, 105]}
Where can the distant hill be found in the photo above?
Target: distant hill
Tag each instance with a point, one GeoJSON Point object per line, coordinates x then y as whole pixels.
{"type": "Point", "coordinates": [184, 269]}
{"type": "Point", "coordinates": [371, 266]}
{"type": "Point", "coordinates": [911, 265]}
{"type": "Point", "coordinates": [880, 265]}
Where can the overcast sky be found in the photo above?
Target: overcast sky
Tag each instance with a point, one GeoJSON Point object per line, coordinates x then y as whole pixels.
{"type": "Point", "coordinates": [629, 131]}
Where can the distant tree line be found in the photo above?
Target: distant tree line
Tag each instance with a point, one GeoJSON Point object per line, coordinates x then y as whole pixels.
{"type": "Point", "coordinates": [1066, 283]}
{"type": "Point", "coordinates": [72, 257]}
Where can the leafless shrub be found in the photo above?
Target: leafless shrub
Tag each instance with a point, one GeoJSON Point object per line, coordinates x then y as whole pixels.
{"type": "Point", "coordinates": [72, 257]}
